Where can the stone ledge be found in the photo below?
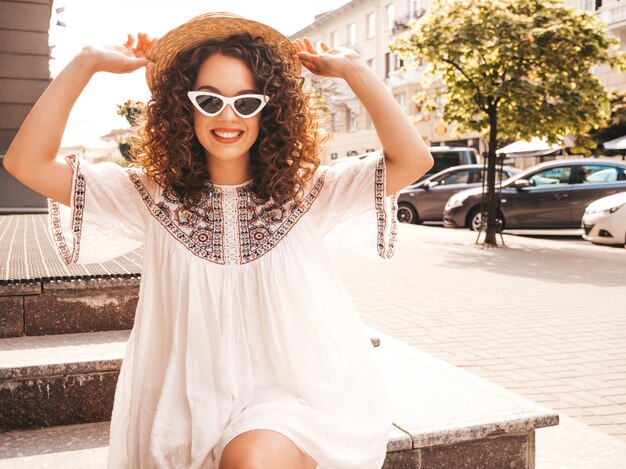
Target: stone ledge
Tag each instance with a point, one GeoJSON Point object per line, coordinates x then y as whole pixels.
{"type": "Point", "coordinates": [70, 306]}
{"type": "Point", "coordinates": [38, 356]}
{"type": "Point", "coordinates": [439, 404]}
{"type": "Point", "coordinates": [94, 283]}
{"type": "Point", "coordinates": [42, 377]}
{"type": "Point", "coordinates": [20, 288]}
{"type": "Point", "coordinates": [36, 287]}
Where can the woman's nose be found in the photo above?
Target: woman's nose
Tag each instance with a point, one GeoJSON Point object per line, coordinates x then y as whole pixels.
{"type": "Point", "coordinates": [229, 113]}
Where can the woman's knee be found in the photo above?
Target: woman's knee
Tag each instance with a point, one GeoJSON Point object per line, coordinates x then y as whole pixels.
{"type": "Point", "coordinates": [263, 449]}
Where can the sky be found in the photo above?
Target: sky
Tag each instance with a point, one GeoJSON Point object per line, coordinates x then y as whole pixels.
{"type": "Point", "coordinates": [89, 22]}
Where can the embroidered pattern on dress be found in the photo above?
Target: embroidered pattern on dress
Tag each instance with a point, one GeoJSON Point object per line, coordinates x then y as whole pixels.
{"type": "Point", "coordinates": [262, 226]}
{"type": "Point", "coordinates": [199, 230]}
{"type": "Point", "coordinates": [76, 220]}
{"type": "Point", "coordinates": [209, 232]}
{"type": "Point", "coordinates": [231, 232]}
{"type": "Point", "coordinates": [380, 188]}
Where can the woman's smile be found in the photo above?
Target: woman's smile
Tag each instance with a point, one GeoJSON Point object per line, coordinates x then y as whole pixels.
{"type": "Point", "coordinates": [227, 135]}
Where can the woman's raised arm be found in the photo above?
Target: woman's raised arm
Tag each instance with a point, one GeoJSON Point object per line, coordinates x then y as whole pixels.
{"type": "Point", "coordinates": [31, 157]}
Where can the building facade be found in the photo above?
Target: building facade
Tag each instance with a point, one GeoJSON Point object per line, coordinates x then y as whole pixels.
{"type": "Point", "coordinates": [368, 26]}
{"type": "Point", "coordinates": [613, 13]}
{"type": "Point", "coordinates": [24, 75]}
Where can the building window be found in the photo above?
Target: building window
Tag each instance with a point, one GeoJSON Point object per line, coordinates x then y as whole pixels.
{"type": "Point", "coordinates": [370, 22]}
{"type": "Point", "coordinates": [333, 156]}
{"type": "Point", "coordinates": [333, 39]}
{"type": "Point", "coordinates": [593, 5]}
{"type": "Point", "coordinates": [415, 6]}
{"type": "Point", "coordinates": [371, 63]}
{"type": "Point", "coordinates": [351, 119]}
{"type": "Point", "coordinates": [389, 16]}
{"type": "Point", "coordinates": [401, 98]}
{"type": "Point", "coordinates": [399, 63]}
{"type": "Point", "coordinates": [352, 34]}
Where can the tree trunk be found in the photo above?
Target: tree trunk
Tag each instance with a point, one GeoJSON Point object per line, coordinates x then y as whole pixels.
{"type": "Point", "coordinates": [492, 203]}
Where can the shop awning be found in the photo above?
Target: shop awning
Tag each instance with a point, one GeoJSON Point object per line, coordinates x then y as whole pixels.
{"type": "Point", "coordinates": [536, 147]}
{"type": "Point", "coordinates": [615, 144]}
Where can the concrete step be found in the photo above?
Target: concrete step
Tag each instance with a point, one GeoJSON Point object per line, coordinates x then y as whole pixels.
{"type": "Point", "coordinates": [453, 418]}
{"type": "Point", "coordinates": [571, 445]}
{"type": "Point", "coordinates": [68, 306]}
{"type": "Point", "coordinates": [82, 446]}
{"type": "Point", "coordinates": [444, 417]}
{"type": "Point", "coordinates": [61, 379]}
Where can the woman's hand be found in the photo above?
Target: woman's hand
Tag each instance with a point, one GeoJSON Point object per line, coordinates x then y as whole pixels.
{"type": "Point", "coordinates": [120, 58]}
{"type": "Point", "coordinates": [335, 62]}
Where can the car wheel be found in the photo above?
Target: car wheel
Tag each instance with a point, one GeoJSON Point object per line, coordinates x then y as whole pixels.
{"type": "Point", "coordinates": [475, 220]}
{"type": "Point", "coordinates": [407, 213]}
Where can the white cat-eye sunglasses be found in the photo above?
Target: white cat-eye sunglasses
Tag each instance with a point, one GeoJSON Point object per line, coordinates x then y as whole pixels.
{"type": "Point", "coordinates": [211, 104]}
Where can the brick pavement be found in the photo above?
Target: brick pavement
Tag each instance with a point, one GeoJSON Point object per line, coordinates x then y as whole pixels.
{"type": "Point", "coordinates": [545, 318]}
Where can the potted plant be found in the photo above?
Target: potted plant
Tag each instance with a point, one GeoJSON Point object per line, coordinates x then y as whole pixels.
{"type": "Point", "coordinates": [124, 146]}
{"type": "Point", "coordinates": [130, 110]}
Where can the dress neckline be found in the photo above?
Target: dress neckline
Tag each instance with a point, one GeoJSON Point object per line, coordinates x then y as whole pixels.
{"type": "Point", "coordinates": [226, 186]}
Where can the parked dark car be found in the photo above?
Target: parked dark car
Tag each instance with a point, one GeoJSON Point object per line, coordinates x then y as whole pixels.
{"type": "Point", "coordinates": [553, 194]}
{"type": "Point", "coordinates": [447, 157]}
{"type": "Point", "coordinates": [424, 200]}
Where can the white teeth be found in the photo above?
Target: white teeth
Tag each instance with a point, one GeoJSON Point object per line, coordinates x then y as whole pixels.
{"type": "Point", "coordinates": [227, 134]}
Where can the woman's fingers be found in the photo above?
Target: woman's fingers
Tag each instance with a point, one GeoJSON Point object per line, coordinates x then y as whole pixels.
{"type": "Point", "coordinates": [130, 41]}
{"type": "Point", "coordinates": [324, 46]}
{"type": "Point", "coordinates": [309, 46]}
{"type": "Point", "coordinates": [144, 44]}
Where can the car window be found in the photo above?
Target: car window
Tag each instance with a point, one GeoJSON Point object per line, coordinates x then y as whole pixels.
{"type": "Point", "coordinates": [444, 160]}
{"type": "Point", "coordinates": [552, 176]}
{"type": "Point", "coordinates": [455, 177]}
{"type": "Point", "coordinates": [590, 174]}
{"type": "Point", "coordinates": [500, 175]}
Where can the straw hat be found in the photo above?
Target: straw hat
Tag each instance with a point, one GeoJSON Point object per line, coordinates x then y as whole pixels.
{"type": "Point", "coordinates": [214, 25]}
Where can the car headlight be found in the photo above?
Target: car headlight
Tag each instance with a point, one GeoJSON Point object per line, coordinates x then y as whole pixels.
{"type": "Point", "coordinates": [455, 201]}
{"type": "Point", "coordinates": [614, 209]}
{"type": "Point", "coordinates": [605, 210]}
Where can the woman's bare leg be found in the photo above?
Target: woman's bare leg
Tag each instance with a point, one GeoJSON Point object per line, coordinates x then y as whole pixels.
{"type": "Point", "coordinates": [264, 449]}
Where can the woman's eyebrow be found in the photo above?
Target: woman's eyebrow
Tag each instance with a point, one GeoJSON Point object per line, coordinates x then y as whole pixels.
{"type": "Point", "coordinates": [212, 88]}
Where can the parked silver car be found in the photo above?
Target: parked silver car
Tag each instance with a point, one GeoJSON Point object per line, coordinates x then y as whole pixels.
{"type": "Point", "coordinates": [424, 200]}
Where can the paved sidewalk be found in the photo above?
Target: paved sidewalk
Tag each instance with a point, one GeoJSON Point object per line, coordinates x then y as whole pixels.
{"type": "Point", "coordinates": [545, 318]}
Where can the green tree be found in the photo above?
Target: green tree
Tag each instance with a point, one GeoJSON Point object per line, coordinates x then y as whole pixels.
{"type": "Point", "coordinates": [614, 126]}
{"type": "Point", "coordinates": [513, 69]}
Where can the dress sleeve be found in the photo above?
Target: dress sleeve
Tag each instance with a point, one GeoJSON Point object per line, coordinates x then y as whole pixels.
{"type": "Point", "coordinates": [106, 217]}
{"type": "Point", "coordinates": [352, 208]}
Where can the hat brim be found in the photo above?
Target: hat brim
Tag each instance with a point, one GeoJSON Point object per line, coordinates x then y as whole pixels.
{"type": "Point", "coordinates": [213, 25]}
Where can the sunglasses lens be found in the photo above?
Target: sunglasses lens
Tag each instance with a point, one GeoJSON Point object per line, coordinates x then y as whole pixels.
{"type": "Point", "coordinates": [210, 104]}
{"type": "Point", "coordinates": [247, 106]}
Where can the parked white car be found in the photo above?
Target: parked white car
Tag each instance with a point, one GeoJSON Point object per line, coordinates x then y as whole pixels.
{"type": "Point", "coordinates": [604, 220]}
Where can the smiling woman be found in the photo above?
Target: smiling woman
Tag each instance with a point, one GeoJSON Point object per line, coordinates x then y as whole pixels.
{"type": "Point", "coordinates": [284, 121]}
{"type": "Point", "coordinates": [244, 347]}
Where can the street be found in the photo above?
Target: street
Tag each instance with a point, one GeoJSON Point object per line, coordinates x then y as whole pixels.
{"type": "Point", "coordinates": [544, 316]}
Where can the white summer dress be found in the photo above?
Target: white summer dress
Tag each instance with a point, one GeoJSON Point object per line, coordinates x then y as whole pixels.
{"type": "Point", "coordinates": [241, 322]}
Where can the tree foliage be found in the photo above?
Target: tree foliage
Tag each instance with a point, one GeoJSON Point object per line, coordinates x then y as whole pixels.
{"type": "Point", "coordinates": [513, 69]}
